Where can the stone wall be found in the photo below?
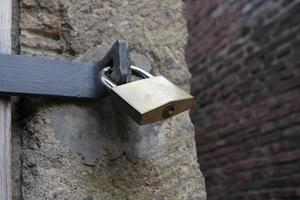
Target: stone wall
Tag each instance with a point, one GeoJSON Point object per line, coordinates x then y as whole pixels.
{"type": "Point", "coordinates": [245, 57]}
{"type": "Point", "coordinates": [89, 150]}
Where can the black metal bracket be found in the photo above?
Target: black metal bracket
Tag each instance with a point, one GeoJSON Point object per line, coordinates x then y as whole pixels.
{"type": "Point", "coordinates": [118, 57]}
{"type": "Point", "coordinates": [30, 76]}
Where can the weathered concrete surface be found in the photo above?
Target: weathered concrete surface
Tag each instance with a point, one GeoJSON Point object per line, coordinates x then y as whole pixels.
{"type": "Point", "coordinates": [88, 150]}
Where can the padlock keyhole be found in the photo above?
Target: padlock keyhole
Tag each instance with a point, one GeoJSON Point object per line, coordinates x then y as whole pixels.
{"type": "Point", "coordinates": [168, 111]}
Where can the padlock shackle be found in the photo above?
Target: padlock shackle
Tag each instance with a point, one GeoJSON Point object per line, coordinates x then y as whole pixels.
{"type": "Point", "coordinates": [105, 80]}
{"type": "Point", "coordinates": [140, 72]}
{"type": "Point", "coordinates": [110, 84]}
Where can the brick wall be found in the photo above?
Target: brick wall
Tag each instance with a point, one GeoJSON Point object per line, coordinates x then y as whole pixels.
{"type": "Point", "coordinates": [245, 60]}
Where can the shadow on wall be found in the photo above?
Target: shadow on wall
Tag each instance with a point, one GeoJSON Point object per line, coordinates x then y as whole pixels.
{"type": "Point", "coordinates": [245, 60]}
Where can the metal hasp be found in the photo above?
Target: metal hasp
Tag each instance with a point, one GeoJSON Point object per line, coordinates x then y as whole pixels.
{"type": "Point", "coordinates": [30, 76]}
{"type": "Point", "coordinates": [146, 101]}
{"type": "Point", "coordinates": [118, 58]}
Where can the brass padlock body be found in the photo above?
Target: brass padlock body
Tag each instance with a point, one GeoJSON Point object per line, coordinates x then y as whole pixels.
{"type": "Point", "coordinates": [150, 100]}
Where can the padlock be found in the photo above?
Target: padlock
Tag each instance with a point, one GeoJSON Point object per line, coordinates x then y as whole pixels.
{"type": "Point", "coordinates": [149, 99]}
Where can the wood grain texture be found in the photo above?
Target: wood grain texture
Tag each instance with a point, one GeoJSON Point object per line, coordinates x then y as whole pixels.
{"type": "Point", "coordinates": [28, 76]}
{"type": "Point", "coordinates": [5, 149]}
{"type": "Point", "coordinates": [5, 106]}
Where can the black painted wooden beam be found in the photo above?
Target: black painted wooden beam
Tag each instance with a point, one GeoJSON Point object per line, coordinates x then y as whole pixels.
{"type": "Point", "coordinates": [29, 76]}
